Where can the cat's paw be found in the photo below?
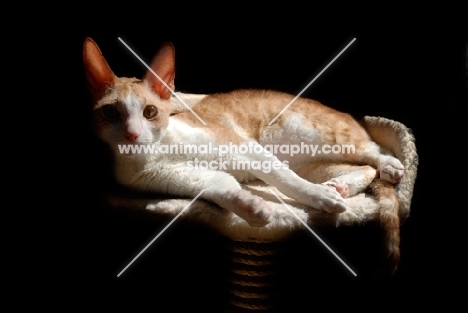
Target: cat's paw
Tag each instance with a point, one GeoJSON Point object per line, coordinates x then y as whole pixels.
{"type": "Point", "coordinates": [328, 199]}
{"type": "Point", "coordinates": [392, 170]}
{"type": "Point", "coordinates": [253, 209]}
{"type": "Point", "coordinates": [339, 185]}
{"type": "Point", "coordinates": [259, 213]}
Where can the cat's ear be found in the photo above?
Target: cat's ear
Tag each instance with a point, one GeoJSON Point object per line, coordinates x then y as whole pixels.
{"type": "Point", "coordinates": [163, 64]}
{"type": "Point", "coordinates": [98, 73]}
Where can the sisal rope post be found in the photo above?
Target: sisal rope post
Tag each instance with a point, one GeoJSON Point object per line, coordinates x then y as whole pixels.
{"type": "Point", "coordinates": [252, 275]}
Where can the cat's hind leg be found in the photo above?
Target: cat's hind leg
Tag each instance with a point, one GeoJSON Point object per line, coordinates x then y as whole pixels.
{"type": "Point", "coordinates": [391, 169]}
{"type": "Point", "coordinates": [355, 147]}
{"type": "Point", "coordinates": [348, 180]}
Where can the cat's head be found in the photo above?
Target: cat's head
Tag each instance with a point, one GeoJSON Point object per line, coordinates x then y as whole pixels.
{"type": "Point", "coordinates": [130, 110]}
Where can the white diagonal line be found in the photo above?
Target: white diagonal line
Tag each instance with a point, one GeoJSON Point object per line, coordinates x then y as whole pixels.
{"type": "Point", "coordinates": [162, 81]}
{"type": "Point", "coordinates": [161, 232]}
{"type": "Point", "coordinates": [308, 85]}
{"type": "Point", "coordinates": [313, 233]}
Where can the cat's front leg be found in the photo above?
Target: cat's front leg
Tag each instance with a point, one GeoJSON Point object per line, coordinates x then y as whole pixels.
{"type": "Point", "coordinates": [253, 209]}
{"type": "Point", "coordinates": [219, 187]}
{"type": "Point", "coordinates": [318, 196]}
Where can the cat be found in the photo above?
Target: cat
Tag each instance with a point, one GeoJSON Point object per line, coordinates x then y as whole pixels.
{"type": "Point", "coordinates": [245, 125]}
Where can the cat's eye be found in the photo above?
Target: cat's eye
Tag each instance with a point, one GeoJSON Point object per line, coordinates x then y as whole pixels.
{"type": "Point", "coordinates": [150, 111]}
{"type": "Point", "coordinates": [110, 112]}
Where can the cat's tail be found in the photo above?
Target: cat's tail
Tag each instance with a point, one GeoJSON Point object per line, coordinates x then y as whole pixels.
{"type": "Point", "coordinates": [390, 222]}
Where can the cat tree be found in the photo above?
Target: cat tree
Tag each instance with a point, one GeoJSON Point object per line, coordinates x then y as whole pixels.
{"type": "Point", "coordinates": [253, 250]}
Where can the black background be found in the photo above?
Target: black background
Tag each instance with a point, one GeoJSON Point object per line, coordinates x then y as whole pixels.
{"type": "Point", "coordinates": [406, 66]}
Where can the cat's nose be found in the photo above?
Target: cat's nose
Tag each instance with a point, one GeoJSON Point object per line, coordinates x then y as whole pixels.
{"type": "Point", "coordinates": [132, 137]}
